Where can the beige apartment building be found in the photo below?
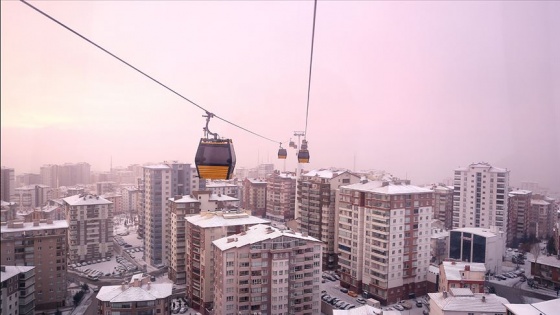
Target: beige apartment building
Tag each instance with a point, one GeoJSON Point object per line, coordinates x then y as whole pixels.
{"type": "Point", "coordinates": [315, 211]}
{"type": "Point", "coordinates": [265, 270]}
{"type": "Point", "coordinates": [178, 208]}
{"type": "Point", "coordinates": [201, 230]}
{"type": "Point", "coordinates": [281, 196]}
{"type": "Point", "coordinates": [18, 290]}
{"type": "Point", "coordinates": [90, 234]}
{"type": "Point", "coordinates": [42, 244]}
{"type": "Point", "coordinates": [254, 196]}
{"type": "Point", "coordinates": [443, 205]}
{"type": "Point", "coordinates": [383, 239]}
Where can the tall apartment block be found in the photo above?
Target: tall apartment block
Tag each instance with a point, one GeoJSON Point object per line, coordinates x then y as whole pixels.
{"type": "Point", "coordinates": [130, 195]}
{"type": "Point", "coordinates": [521, 221]}
{"type": "Point", "coordinates": [178, 208]}
{"type": "Point", "coordinates": [480, 196]}
{"type": "Point", "coordinates": [281, 196]}
{"type": "Point", "coordinates": [18, 290]}
{"type": "Point", "coordinates": [161, 182]}
{"type": "Point", "coordinates": [7, 183]}
{"type": "Point", "coordinates": [443, 205]}
{"type": "Point", "coordinates": [26, 179]}
{"type": "Point", "coordinates": [383, 233]}
{"type": "Point", "coordinates": [265, 270]}
{"type": "Point", "coordinates": [316, 212]}
{"type": "Point", "coordinates": [544, 209]}
{"type": "Point", "coordinates": [201, 230]}
{"type": "Point", "coordinates": [42, 244]}
{"type": "Point", "coordinates": [254, 196]}
{"type": "Point", "coordinates": [65, 175]}
{"type": "Point", "coordinates": [31, 197]}
{"type": "Point", "coordinates": [90, 219]}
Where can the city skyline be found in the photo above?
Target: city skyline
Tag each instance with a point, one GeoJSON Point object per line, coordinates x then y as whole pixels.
{"type": "Point", "coordinates": [415, 89]}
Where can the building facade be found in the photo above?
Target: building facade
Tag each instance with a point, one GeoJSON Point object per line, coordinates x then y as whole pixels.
{"type": "Point", "coordinates": [464, 301]}
{"type": "Point", "coordinates": [224, 187]}
{"type": "Point", "coordinates": [478, 245]}
{"type": "Point", "coordinates": [443, 205]}
{"type": "Point", "coordinates": [42, 244]}
{"type": "Point", "coordinates": [544, 210]}
{"type": "Point", "coordinates": [521, 220]}
{"type": "Point", "coordinates": [18, 290]}
{"type": "Point", "coordinates": [90, 219]}
{"type": "Point", "coordinates": [480, 196]}
{"type": "Point", "coordinates": [30, 197]}
{"type": "Point", "coordinates": [316, 210]}
{"type": "Point", "coordinates": [254, 196]}
{"type": "Point", "coordinates": [383, 239]}
{"type": "Point", "coordinates": [456, 274]}
{"type": "Point", "coordinates": [178, 208]}
{"type": "Point", "coordinates": [7, 183]}
{"type": "Point", "coordinates": [201, 230]}
{"type": "Point", "coordinates": [265, 270]}
{"type": "Point", "coordinates": [281, 196]}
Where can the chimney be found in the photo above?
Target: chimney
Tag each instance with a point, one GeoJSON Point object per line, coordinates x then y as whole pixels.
{"type": "Point", "coordinates": [483, 298]}
{"type": "Point", "coordinates": [123, 286]}
{"type": "Point", "coordinates": [148, 288]}
{"type": "Point", "coordinates": [445, 294]}
{"type": "Point", "coordinates": [467, 268]}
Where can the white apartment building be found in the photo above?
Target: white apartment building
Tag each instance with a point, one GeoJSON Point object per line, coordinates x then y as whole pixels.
{"type": "Point", "coordinates": [201, 230]}
{"type": "Point", "coordinates": [18, 290]}
{"type": "Point", "coordinates": [478, 245]}
{"type": "Point", "coordinates": [480, 197]}
{"type": "Point", "coordinates": [464, 301]}
{"type": "Point", "coordinates": [130, 195]}
{"type": "Point", "coordinates": [383, 239]}
{"type": "Point", "coordinates": [90, 231]}
{"type": "Point", "coordinates": [223, 187]}
{"type": "Point", "coordinates": [265, 270]}
{"type": "Point", "coordinates": [315, 210]}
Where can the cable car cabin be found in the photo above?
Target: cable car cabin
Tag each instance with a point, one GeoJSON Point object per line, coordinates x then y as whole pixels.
{"type": "Point", "coordinates": [303, 156]}
{"type": "Point", "coordinates": [282, 153]}
{"type": "Point", "coordinates": [215, 159]}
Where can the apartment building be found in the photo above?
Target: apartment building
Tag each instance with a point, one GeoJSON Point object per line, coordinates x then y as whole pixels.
{"type": "Point", "coordinates": [480, 196]}
{"type": "Point", "coordinates": [223, 187]}
{"type": "Point", "coordinates": [106, 187]}
{"type": "Point", "coordinates": [42, 244]}
{"type": "Point", "coordinates": [27, 179]}
{"type": "Point", "coordinates": [443, 205]}
{"type": "Point", "coordinates": [521, 220]}
{"type": "Point", "coordinates": [201, 230]}
{"type": "Point", "coordinates": [265, 270]}
{"type": "Point", "coordinates": [7, 183]}
{"type": "Point", "coordinates": [116, 199]}
{"type": "Point", "coordinates": [161, 182]}
{"type": "Point", "coordinates": [281, 196]}
{"type": "Point", "coordinates": [138, 297]}
{"type": "Point", "coordinates": [464, 301]}
{"type": "Point", "coordinates": [383, 239]}
{"type": "Point", "coordinates": [254, 196]}
{"type": "Point", "coordinates": [18, 290]}
{"type": "Point", "coordinates": [478, 245]}
{"type": "Point", "coordinates": [457, 274]}
{"type": "Point", "coordinates": [8, 211]}
{"type": "Point", "coordinates": [30, 197]}
{"type": "Point", "coordinates": [90, 234]}
{"type": "Point", "coordinates": [130, 196]}
{"type": "Point", "coordinates": [178, 208]}
{"type": "Point", "coordinates": [315, 210]}
{"type": "Point", "coordinates": [544, 209]}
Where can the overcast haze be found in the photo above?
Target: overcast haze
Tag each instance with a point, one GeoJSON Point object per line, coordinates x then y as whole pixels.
{"type": "Point", "coordinates": [413, 88]}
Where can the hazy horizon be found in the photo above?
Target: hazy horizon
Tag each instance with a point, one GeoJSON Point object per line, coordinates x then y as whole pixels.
{"type": "Point", "coordinates": [413, 88]}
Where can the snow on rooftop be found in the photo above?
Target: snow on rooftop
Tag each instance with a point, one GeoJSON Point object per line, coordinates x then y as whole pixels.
{"type": "Point", "coordinates": [214, 184]}
{"type": "Point", "coordinates": [482, 165]}
{"type": "Point", "coordinates": [388, 189]}
{"type": "Point", "coordinates": [548, 260]}
{"type": "Point", "coordinates": [477, 231]}
{"type": "Point", "coordinates": [82, 200]}
{"type": "Point", "coordinates": [256, 181]}
{"type": "Point", "coordinates": [360, 310]}
{"type": "Point", "coordinates": [539, 202]}
{"type": "Point", "coordinates": [325, 173]}
{"type": "Point", "coordinates": [541, 308]}
{"type": "Point", "coordinates": [258, 233]}
{"type": "Point", "coordinates": [520, 192]}
{"type": "Point", "coordinates": [453, 269]}
{"type": "Point", "coordinates": [184, 199]}
{"type": "Point", "coordinates": [12, 271]}
{"type": "Point", "coordinates": [221, 218]}
{"type": "Point", "coordinates": [157, 167]}
{"type": "Point", "coordinates": [151, 292]}
{"type": "Point", "coordinates": [221, 197]}
{"type": "Point", "coordinates": [29, 226]}
{"type": "Point", "coordinates": [287, 175]}
{"type": "Point", "coordinates": [475, 303]}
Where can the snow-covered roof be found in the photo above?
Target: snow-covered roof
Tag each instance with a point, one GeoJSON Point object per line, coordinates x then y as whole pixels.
{"type": "Point", "coordinates": [547, 261]}
{"type": "Point", "coordinates": [184, 199]}
{"type": "Point", "coordinates": [437, 233]}
{"type": "Point", "coordinates": [541, 308]}
{"type": "Point", "coordinates": [453, 269]}
{"type": "Point", "coordinates": [388, 189]}
{"type": "Point", "coordinates": [213, 184]}
{"type": "Point", "coordinates": [82, 200]}
{"type": "Point", "coordinates": [221, 197]}
{"type": "Point", "coordinates": [12, 271]}
{"type": "Point", "coordinates": [220, 218]}
{"type": "Point", "coordinates": [539, 202]}
{"type": "Point", "coordinates": [146, 292]}
{"type": "Point", "coordinates": [360, 310]}
{"type": "Point", "coordinates": [255, 234]}
{"type": "Point", "coordinates": [433, 269]}
{"type": "Point", "coordinates": [29, 226]}
{"type": "Point", "coordinates": [256, 181]}
{"type": "Point", "coordinates": [7, 204]}
{"type": "Point", "coordinates": [477, 231]}
{"type": "Point", "coordinates": [325, 173]}
{"type": "Point", "coordinates": [490, 168]}
{"type": "Point", "coordinates": [469, 303]}
{"type": "Point", "coordinates": [287, 175]}
{"type": "Point", "coordinates": [520, 192]}
{"type": "Point", "coordinates": [158, 167]}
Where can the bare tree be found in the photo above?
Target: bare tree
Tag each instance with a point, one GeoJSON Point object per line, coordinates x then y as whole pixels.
{"type": "Point", "coordinates": [536, 251]}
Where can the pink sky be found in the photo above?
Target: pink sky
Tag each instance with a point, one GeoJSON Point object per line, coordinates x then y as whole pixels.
{"type": "Point", "coordinates": [414, 88]}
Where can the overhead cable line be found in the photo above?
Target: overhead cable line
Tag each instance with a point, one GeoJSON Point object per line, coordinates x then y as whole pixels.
{"type": "Point", "coordinates": [310, 68]}
{"type": "Point", "coordinates": [143, 73]}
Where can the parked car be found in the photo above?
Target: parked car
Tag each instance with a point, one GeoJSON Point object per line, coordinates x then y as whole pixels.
{"type": "Point", "coordinates": [352, 293]}
{"type": "Point", "coordinates": [399, 307]}
{"type": "Point", "coordinates": [361, 300]}
{"type": "Point", "coordinates": [419, 303]}
{"type": "Point", "coordinates": [344, 290]}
